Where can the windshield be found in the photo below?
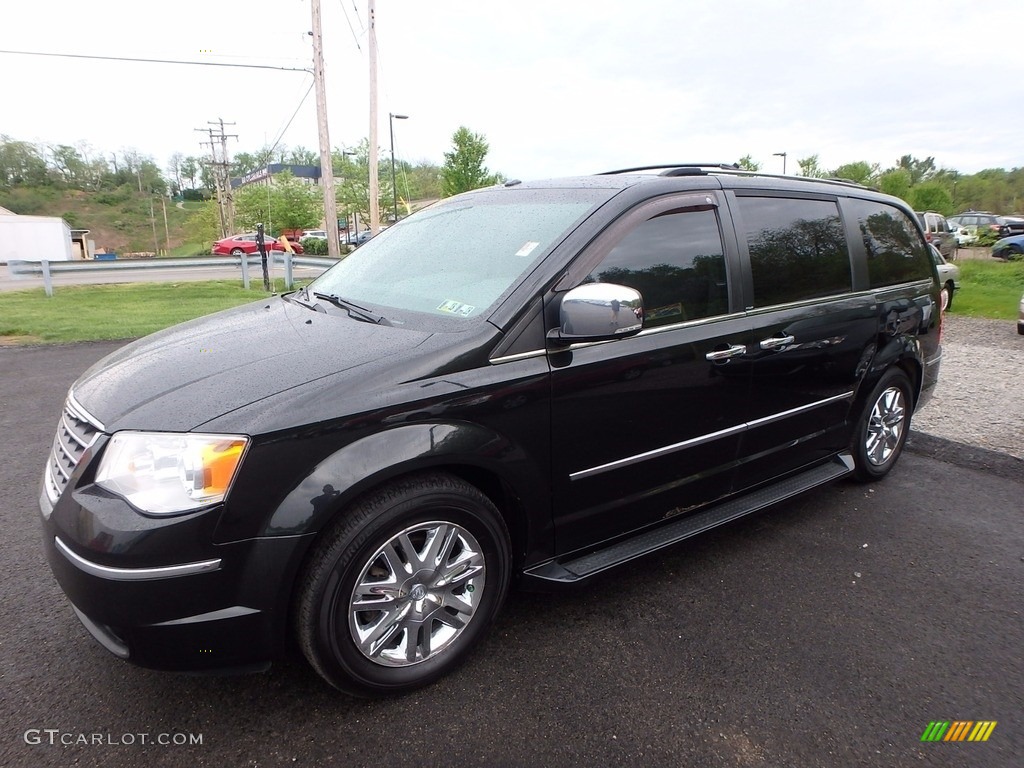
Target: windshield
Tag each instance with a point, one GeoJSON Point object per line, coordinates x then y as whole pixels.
{"type": "Point", "coordinates": [457, 258]}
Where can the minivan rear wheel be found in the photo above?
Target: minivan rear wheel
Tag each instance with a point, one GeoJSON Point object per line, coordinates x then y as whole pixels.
{"type": "Point", "coordinates": [404, 585]}
{"type": "Point", "coordinates": [883, 426]}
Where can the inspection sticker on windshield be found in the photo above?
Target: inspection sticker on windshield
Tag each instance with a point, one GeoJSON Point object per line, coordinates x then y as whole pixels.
{"type": "Point", "coordinates": [456, 308]}
{"type": "Point", "coordinates": [527, 248]}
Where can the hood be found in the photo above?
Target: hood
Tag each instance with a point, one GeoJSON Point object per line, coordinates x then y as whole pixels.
{"type": "Point", "coordinates": [180, 378]}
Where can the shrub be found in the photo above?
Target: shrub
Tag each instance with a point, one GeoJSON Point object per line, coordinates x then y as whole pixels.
{"type": "Point", "coordinates": [314, 246]}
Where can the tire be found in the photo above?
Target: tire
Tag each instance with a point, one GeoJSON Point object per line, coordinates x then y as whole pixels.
{"type": "Point", "coordinates": [882, 429]}
{"type": "Point", "coordinates": [236, 251]}
{"type": "Point", "coordinates": [434, 553]}
{"type": "Point", "coordinates": [946, 296]}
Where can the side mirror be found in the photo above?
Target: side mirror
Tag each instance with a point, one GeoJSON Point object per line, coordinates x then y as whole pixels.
{"type": "Point", "coordinates": [598, 312]}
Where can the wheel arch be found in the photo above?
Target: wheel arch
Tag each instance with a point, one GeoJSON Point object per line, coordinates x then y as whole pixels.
{"type": "Point", "coordinates": [474, 453]}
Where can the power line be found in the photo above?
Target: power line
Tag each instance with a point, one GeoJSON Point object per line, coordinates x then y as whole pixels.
{"type": "Point", "coordinates": [154, 61]}
{"type": "Point", "coordinates": [352, 29]}
{"type": "Point", "coordinates": [284, 130]}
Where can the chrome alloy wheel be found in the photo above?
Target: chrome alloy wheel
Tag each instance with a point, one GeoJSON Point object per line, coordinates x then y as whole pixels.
{"type": "Point", "coordinates": [885, 425]}
{"type": "Point", "coordinates": [417, 594]}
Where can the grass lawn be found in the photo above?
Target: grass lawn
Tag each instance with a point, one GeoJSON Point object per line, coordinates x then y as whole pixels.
{"type": "Point", "coordinates": [104, 312]}
{"type": "Point", "coordinates": [989, 289]}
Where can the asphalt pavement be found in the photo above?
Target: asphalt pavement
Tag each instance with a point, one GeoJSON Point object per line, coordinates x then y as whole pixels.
{"type": "Point", "coordinates": [828, 631]}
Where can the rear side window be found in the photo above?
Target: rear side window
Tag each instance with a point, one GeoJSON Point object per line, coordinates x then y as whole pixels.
{"type": "Point", "coordinates": [676, 261]}
{"type": "Point", "coordinates": [797, 249]}
{"type": "Point", "coordinates": [896, 254]}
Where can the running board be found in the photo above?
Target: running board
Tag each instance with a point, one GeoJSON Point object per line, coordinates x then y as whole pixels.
{"type": "Point", "coordinates": [651, 540]}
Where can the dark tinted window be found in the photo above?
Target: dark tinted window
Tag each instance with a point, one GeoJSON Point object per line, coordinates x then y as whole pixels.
{"type": "Point", "coordinates": [677, 263]}
{"type": "Point", "coordinates": [895, 251]}
{"type": "Point", "coordinates": [797, 249]}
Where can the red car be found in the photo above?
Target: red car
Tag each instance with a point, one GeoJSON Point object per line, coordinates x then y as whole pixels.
{"type": "Point", "coordinates": [236, 245]}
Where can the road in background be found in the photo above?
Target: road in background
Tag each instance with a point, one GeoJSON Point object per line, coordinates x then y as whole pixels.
{"type": "Point", "coordinates": [151, 275]}
{"type": "Point", "coordinates": [828, 631]}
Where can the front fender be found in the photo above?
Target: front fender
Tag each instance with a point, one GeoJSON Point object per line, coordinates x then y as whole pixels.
{"type": "Point", "coordinates": [341, 477]}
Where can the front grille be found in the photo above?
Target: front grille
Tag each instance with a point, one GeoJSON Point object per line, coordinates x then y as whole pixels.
{"type": "Point", "coordinates": [76, 431]}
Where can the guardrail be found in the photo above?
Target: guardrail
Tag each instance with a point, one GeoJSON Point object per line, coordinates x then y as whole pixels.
{"type": "Point", "coordinates": [47, 269]}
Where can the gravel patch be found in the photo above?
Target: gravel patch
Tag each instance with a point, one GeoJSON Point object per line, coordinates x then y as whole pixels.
{"type": "Point", "coordinates": [979, 400]}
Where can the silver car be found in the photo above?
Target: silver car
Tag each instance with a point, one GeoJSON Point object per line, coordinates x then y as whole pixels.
{"type": "Point", "coordinates": [949, 276]}
{"type": "Point", "coordinates": [1020, 317]}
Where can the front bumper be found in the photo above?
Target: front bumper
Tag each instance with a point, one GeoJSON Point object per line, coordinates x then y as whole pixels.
{"type": "Point", "coordinates": [220, 607]}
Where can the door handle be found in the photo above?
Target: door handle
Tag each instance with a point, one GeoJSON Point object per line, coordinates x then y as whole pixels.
{"type": "Point", "coordinates": [777, 341]}
{"type": "Point", "coordinates": [724, 354]}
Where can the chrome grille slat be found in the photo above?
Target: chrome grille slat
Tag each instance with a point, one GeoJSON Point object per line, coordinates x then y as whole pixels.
{"type": "Point", "coordinates": [76, 432]}
{"type": "Point", "coordinates": [69, 429]}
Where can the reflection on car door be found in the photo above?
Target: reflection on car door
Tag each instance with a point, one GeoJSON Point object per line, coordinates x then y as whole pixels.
{"type": "Point", "coordinates": [808, 333]}
{"type": "Point", "coordinates": [646, 428]}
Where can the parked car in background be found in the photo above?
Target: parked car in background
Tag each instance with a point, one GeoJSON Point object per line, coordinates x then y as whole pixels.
{"type": "Point", "coordinates": [937, 233]}
{"type": "Point", "coordinates": [972, 221]}
{"type": "Point", "coordinates": [963, 236]}
{"type": "Point", "coordinates": [1016, 224]}
{"type": "Point", "coordinates": [356, 238]}
{"type": "Point", "coordinates": [236, 245]}
{"type": "Point", "coordinates": [1009, 248]}
{"type": "Point", "coordinates": [317, 234]}
{"type": "Point", "coordinates": [949, 276]}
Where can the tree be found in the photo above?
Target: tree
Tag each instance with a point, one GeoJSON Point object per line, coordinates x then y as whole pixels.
{"type": "Point", "coordinates": [174, 168]}
{"type": "Point", "coordinates": [809, 167]}
{"type": "Point", "coordinates": [747, 163]}
{"type": "Point", "coordinates": [303, 156]}
{"type": "Point", "coordinates": [463, 167]}
{"type": "Point", "coordinates": [861, 172]}
{"type": "Point", "coordinates": [21, 163]}
{"type": "Point", "coordinates": [931, 196]}
{"type": "Point", "coordinates": [245, 162]}
{"type": "Point", "coordinates": [190, 170]}
{"type": "Point", "coordinates": [895, 182]}
{"type": "Point", "coordinates": [287, 203]}
{"type": "Point", "coordinates": [69, 164]}
{"type": "Point", "coordinates": [919, 170]}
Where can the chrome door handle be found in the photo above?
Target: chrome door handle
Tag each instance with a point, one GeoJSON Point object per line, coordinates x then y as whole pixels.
{"type": "Point", "coordinates": [777, 341]}
{"type": "Point", "coordinates": [724, 354]}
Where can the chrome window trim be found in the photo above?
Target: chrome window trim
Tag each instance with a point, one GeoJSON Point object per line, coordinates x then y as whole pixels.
{"type": "Point", "coordinates": [518, 356]}
{"type": "Point", "coordinates": [645, 332]}
{"type": "Point", "coordinates": [135, 574]}
{"type": "Point", "coordinates": [665, 450]}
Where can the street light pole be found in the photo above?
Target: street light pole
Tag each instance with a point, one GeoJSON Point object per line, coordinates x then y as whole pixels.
{"type": "Point", "coordinates": [394, 186]}
{"type": "Point", "coordinates": [783, 156]}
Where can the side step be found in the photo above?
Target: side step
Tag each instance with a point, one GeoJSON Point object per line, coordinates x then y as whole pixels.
{"type": "Point", "coordinates": [651, 540]}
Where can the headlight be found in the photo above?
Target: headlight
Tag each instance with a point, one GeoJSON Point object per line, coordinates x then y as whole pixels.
{"type": "Point", "coordinates": [164, 473]}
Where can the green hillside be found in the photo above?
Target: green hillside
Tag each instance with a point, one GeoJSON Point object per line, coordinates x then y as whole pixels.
{"type": "Point", "coordinates": [118, 220]}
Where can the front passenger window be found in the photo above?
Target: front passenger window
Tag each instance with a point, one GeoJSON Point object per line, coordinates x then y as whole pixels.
{"type": "Point", "coordinates": [676, 261]}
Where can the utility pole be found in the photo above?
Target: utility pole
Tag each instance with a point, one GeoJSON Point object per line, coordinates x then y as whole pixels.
{"type": "Point", "coordinates": [229, 195]}
{"type": "Point", "coordinates": [326, 162]}
{"type": "Point", "coordinates": [167, 229]}
{"type": "Point", "coordinates": [221, 175]}
{"type": "Point", "coordinates": [371, 12]}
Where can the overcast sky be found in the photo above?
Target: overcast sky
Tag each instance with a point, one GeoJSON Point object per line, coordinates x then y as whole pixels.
{"type": "Point", "coordinates": [557, 87]}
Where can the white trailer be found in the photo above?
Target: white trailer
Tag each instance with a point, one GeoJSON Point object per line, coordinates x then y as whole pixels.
{"type": "Point", "coordinates": [34, 238]}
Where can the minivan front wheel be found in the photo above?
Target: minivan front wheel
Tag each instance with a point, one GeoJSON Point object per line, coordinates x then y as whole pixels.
{"type": "Point", "coordinates": [404, 585]}
{"type": "Point", "coordinates": [882, 430]}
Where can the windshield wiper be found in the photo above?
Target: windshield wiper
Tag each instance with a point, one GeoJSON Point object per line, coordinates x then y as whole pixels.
{"type": "Point", "coordinates": [354, 310]}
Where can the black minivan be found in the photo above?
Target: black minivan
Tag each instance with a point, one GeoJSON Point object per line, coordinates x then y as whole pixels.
{"type": "Point", "coordinates": [522, 385]}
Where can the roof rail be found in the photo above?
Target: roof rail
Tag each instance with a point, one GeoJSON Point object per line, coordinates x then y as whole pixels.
{"type": "Point", "coordinates": [675, 169]}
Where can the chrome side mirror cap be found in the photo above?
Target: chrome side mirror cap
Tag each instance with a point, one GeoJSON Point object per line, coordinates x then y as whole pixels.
{"type": "Point", "coordinates": [598, 312]}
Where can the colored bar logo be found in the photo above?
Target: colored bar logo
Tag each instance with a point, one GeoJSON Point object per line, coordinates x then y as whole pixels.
{"type": "Point", "coordinates": [958, 730]}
